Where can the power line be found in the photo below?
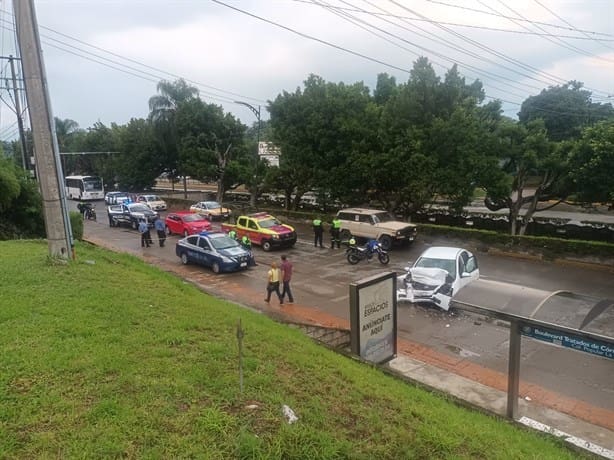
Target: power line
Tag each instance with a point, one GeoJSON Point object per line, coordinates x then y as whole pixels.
{"type": "Point", "coordinates": [470, 26]}
{"type": "Point", "coordinates": [311, 37]}
{"type": "Point", "coordinates": [550, 38]}
{"type": "Point", "coordinates": [500, 15]}
{"type": "Point", "coordinates": [572, 26]}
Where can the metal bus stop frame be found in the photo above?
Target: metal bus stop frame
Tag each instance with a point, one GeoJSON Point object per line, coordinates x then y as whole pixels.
{"type": "Point", "coordinates": [517, 323]}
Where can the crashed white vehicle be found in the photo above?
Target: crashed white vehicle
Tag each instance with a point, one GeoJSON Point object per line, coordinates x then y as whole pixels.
{"type": "Point", "coordinates": [438, 274]}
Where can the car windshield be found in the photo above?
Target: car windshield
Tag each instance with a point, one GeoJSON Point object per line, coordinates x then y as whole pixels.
{"type": "Point", "coordinates": [139, 208]}
{"type": "Point", "coordinates": [383, 217]}
{"type": "Point", "coordinates": [153, 198]}
{"type": "Point", "coordinates": [211, 205]}
{"type": "Point", "coordinates": [448, 265]}
{"type": "Point", "coordinates": [268, 223]}
{"type": "Point", "coordinates": [223, 242]}
{"type": "Point", "coordinates": [192, 218]}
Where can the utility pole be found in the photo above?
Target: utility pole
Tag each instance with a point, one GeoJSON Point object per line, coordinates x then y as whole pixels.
{"type": "Point", "coordinates": [46, 152]}
{"type": "Point", "coordinates": [254, 191]}
{"type": "Point", "coordinates": [22, 136]}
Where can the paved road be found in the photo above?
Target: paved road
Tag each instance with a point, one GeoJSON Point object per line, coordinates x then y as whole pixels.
{"type": "Point", "coordinates": [322, 277]}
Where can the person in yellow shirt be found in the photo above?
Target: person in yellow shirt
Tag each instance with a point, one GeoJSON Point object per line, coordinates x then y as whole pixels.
{"type": "Point", "coordinates": [274, 275]}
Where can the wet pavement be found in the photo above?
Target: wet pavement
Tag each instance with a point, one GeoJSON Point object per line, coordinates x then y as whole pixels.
{"type": "Point", "coordinates": [451, 372]}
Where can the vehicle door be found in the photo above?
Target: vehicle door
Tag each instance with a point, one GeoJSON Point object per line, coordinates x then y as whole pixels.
{"type": "Point", "coordinates": [174, 224]}
{"type": "Point", "coordinates": [253, 231]}
{"type": "Point", "coordinates": [368, 228]}
{"type": "Point", "coordinates": [205, 254]}
{"type": "Point", "coordinates": [125, 214]}
{"type": "Point", "coordinates": [191, 245]}
{"type": "Point", "coordinates": [467, 269]}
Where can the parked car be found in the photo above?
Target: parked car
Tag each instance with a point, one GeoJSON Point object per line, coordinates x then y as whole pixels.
{"type": "Point", "coordinates": [264, 230]}
{"type": "Point", "coordinates": [375, 224]}
{"type": "Point", "coordinates": [153, 202]}
{"type": "Point", "coordinates": [116, 197]}
{"type": "Point", "coordinates": [439, 273]}
{"type": "Point", "coordinates": [186, 223]}
{"type": "Point", "coordinates": [130, 214]}
{"type": "Point", "coordinates": [214, 249]}
{"type": "Point", "coordinates": [211, 210]}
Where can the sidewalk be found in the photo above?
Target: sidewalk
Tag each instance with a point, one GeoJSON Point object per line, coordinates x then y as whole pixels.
{"type": "Point", "coordinates": [587, 426]}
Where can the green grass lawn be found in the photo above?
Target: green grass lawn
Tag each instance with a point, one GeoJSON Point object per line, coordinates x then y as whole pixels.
{"type": "Point", "coordinates": [107, 357]}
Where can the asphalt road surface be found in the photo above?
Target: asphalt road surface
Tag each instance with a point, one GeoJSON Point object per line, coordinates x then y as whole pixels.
{"type": "Point", "coordinates": [322, 278]}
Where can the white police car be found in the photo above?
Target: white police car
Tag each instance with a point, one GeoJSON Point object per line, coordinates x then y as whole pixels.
{"type": "Point", "coordinates": [215, 250]}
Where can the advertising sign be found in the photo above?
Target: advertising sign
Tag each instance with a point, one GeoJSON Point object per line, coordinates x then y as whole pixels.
{"type": "Point", "coordinates": [592, 346]}
{"type": "Point", "coordinates": [373, 317]}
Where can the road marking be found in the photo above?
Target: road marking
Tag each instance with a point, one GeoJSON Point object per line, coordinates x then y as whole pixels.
{"type": "Point", "coordinates": [594, 448]}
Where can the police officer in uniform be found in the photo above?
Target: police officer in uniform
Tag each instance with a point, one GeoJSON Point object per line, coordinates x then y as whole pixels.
{"type": "Point", "coordinates": [335, 233]}
{"type": "Point", "coordinates": [318, 231]}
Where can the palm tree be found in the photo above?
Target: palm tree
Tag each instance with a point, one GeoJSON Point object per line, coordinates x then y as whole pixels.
{"type": "Point", "coordinates": [163, 106]}
{"type": "Point", "coordinates": [162, 110]}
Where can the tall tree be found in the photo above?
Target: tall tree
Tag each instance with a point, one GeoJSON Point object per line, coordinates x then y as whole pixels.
{"type": "Point", "coordinates": [211, 143]}
{"type": "Point", "coordinates": [565, 109]}
{"type": "Point", "coordinates": [317, 129]}
{"type": "Point", "coordinates": [536, 172]}
{"type": "Point", "coordinates": [162, 111]}
{"type": "Point", "coordinates": [592, 164]}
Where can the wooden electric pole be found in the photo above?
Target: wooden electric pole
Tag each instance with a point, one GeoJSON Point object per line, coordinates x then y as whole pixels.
{"type": "Point", "coordinates": [46, 152]}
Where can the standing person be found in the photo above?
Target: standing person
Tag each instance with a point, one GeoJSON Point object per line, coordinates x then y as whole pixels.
{"type": "Point", "coordinates": [160, 228]}
{"type": "Point", "coordinates": [233, 234]}
{"type": "Point", "coordinates": [274, 276]}
{"type": "Point", "coordinates": [144, 231]}
{"type": "Point", "coordinates": [286, 277]}
{"type": "Point", "coordinates": [335, 233]}
{"type": "Point", "coordinates": [318, 231]}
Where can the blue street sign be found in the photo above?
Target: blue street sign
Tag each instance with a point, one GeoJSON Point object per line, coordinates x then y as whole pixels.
{"type": "Point", "coordinates": [592, 346]}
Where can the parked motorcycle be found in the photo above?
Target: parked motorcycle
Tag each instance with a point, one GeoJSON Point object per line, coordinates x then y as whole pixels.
{"type": "Point", "coordinates": [87, 211]}
{"type": "Point", "coordinates": [355, 254]}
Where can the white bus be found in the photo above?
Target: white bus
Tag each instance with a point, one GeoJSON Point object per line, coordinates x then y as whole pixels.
{"type": "Point", "coordinates": [84, 188]}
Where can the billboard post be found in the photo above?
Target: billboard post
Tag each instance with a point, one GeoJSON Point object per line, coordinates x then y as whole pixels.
{"type": "Point", "coordinates": [373, 317]}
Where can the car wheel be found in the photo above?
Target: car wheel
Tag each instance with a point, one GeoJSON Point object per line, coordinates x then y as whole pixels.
{"type": "Point", "coordinates": [184, 258]}
{"type": "Point", "coordinates": [135, 226]}
{"type": "Point", "coordinates": [215, 267]}
{"type": "Point", "coordinates": [266, 246]}
{"type": "Point", "coordinates": [168, 231]}
{"type": "Point", "coordinates": [209, 217]}
{"type": "Point", "coordinates": [185, 233]}
{"type": "Point", "coordinates": [111, 222]}
{"type": "Point", "coordinates": [345, 234]}
{"type": "Point", "coordinates": [386, 242]}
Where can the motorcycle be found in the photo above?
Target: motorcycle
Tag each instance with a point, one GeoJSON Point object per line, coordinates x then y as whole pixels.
{"type": "Point", "coordinates": [87, 211]}
{"type": "Point", "coordinates": [355, 254]}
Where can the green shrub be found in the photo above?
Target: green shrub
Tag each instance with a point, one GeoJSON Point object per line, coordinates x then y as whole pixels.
{"type": "Point", "coordinates": [76, 223]}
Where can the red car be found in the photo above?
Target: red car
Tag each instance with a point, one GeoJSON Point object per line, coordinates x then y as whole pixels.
{"type": "Point", "coordinates": [186, 223]}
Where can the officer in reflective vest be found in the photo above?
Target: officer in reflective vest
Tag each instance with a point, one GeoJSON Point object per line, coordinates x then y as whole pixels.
{"type": "Point", "coordinates": [318, 231]}
{"type": "Point", "coordinates": [335, 230]}
{"type": "Point", "coordinates": [232, 234]}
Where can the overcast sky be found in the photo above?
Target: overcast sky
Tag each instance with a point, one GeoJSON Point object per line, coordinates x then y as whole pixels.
{"type": "Point", "coordinates": [229, 55]}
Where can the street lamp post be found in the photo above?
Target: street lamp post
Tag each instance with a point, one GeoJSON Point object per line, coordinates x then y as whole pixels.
{"type": "Point", "coordinates": [256, 112]}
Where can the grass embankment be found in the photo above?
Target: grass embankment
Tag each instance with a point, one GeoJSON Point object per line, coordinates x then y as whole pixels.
{"type": "Point", "coordinates": [108, 357]}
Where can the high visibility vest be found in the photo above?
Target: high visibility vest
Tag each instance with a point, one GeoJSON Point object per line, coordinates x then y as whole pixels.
{"type": "Point", "coordinates": [336, 223]}
{"type": "Point", "coordinates": [317, 222]}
